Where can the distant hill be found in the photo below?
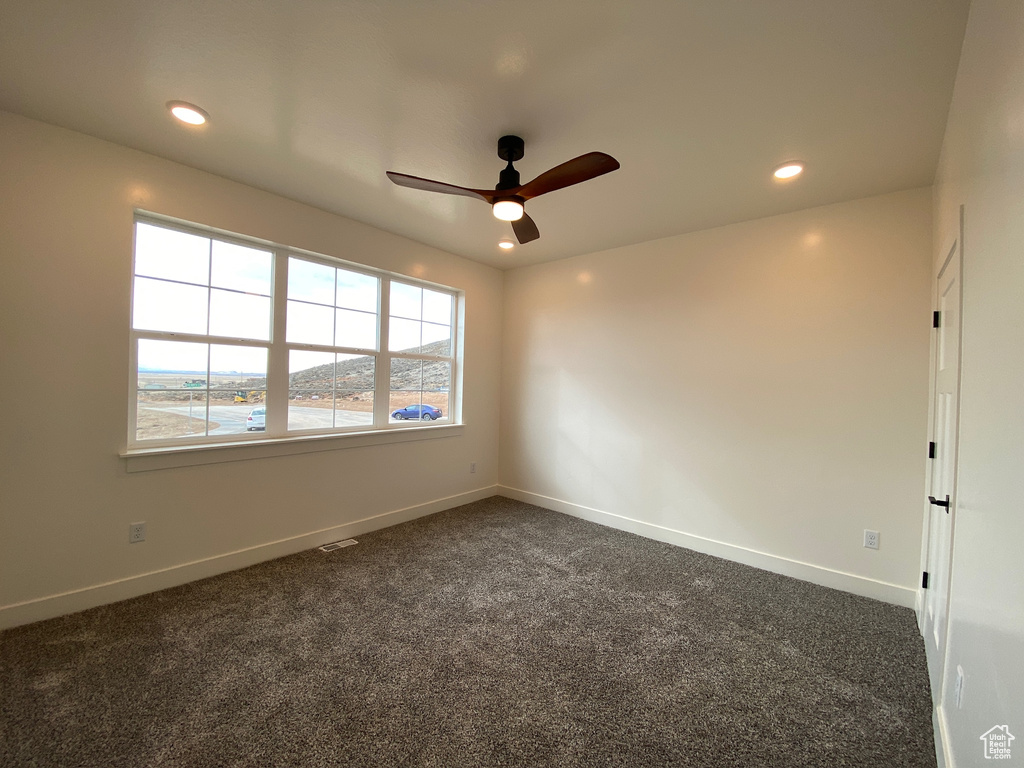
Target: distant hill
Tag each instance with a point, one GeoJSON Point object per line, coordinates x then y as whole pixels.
{"type": "Point", "coordinates": [357, 375]}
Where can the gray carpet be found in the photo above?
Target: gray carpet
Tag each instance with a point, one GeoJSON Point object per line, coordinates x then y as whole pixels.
{"type": "Point", "coordinates": [495, 634]}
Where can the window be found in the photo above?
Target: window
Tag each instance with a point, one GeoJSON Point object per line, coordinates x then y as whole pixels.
{"type": "Point", "coordinates": [332, 336]}
{"type": "Point", "coordinates": [420, 342]}
{"type": "Point", "coordinates": [235, 340]}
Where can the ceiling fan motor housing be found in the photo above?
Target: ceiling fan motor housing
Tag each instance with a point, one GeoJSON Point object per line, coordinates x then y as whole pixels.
{"type": "Point", "coordinates": [508, 179]}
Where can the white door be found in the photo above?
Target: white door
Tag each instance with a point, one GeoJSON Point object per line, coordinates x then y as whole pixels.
{"type": "Point", "coordinates": [942, 482]}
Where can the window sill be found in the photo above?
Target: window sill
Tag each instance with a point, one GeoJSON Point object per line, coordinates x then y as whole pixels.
{"type": "Point", "coordinates": [169, 457]}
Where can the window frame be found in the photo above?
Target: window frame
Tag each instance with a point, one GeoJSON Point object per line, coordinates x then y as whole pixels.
{"type": "Point", "coordinates": [423, 356]}
{"type": "Point", "coordinates": [277, 384]}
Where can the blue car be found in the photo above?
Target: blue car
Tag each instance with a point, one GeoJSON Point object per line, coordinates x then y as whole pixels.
{"type": "Point", "coordinates": [422, 412]}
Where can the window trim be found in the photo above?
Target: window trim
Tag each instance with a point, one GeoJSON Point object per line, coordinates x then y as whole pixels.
{"type": "Point", "coordinates": [198, 454]}
{"type": "Point", "coordinates": [277, 387]}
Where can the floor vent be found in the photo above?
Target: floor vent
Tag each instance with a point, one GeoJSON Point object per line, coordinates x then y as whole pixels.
{"type": "Point", "coordinates": [338, 545]}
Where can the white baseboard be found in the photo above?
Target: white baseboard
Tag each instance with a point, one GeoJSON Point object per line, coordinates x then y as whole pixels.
{"type": "Point", "coordinates": [133, 586]}
{"type": "Point", "coordinates": [816, 574]}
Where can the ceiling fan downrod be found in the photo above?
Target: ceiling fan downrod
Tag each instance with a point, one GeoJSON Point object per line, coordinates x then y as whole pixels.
{"type": "Point", "coordinates": [510, 148]}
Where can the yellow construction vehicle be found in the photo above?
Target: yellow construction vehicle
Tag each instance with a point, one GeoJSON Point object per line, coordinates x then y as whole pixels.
{"type": "Point", "coordinates": [254, 396]}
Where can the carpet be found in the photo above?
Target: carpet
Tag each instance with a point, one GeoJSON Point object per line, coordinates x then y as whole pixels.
{"type": "Point", "coordinates": [493, 634]}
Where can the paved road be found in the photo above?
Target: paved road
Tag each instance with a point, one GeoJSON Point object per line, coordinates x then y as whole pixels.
{"type": "Point", "coordinates": [233, 418]}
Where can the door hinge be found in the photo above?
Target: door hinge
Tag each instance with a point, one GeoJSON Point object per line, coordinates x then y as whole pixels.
{"type": "Point", "coordinates": [924, 580]}
{"type": "Point", "coordinates": [935, 318]}
{"type": "Point", "coordinates": [931, 450]}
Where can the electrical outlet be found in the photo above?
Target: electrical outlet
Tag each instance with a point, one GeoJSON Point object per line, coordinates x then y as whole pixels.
{"type": "Point", "coordinates": [472, 467]}
{"type": "Point", "coordinates": [136, 533]}
{"type": "Point", "coordinates": [870, 539]}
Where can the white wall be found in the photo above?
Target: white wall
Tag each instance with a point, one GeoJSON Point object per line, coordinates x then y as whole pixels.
{"type": "Point", "coordinates": [757, 391]}
{"type": "Point", "coordinates": [66, 498]}
{"type": "Point", "coordinates": [982, 167]}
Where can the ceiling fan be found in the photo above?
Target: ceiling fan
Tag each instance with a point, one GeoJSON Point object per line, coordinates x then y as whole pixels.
{"type": "Point", "coordinates": [507, 198]}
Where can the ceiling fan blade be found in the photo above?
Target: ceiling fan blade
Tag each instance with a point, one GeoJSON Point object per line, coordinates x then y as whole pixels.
{"type": "Point", "coordinates": [525, 229]}
{"type": "Point", "coordinates": [579, 169]}
{"type": "Point", "coordinates": [428, 185]}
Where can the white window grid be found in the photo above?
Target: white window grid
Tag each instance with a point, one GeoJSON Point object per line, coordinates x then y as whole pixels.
{"type": "Point", "coordinates": [278, 348]}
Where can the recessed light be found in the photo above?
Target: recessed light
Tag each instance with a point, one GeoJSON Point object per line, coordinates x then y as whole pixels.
{"type": "Point", "coordinates": [788, 171]}
{"type": "Point", "coordinates": [188, 113]}
{"type": "Point", "coordinates": [506, 244]}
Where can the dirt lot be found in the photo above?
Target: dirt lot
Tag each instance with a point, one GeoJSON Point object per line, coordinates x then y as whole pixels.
{"type": "Point", "coordinates": [154, 425]}
{"type": "Point", "coordinates": [362, 402]}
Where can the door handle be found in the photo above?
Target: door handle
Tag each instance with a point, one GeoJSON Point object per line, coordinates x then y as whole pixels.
{"type": "Point", "coordinates": [940, 503]}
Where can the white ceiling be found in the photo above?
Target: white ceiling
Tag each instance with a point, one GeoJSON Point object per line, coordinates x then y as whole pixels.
{"type": "Point", "coordinates": [698, 100]}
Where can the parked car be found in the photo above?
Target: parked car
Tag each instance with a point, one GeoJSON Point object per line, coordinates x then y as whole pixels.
{"type": "Point", "coordinates": [257, 420]}
{"type": "Point", "coordinates": [422, 412]}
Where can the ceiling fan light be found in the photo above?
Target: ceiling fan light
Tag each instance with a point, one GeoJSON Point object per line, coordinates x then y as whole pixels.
{"type": "Point", "coordinates": [508, 210]}
{"type": "Point", "coordinates": [506, 244]}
